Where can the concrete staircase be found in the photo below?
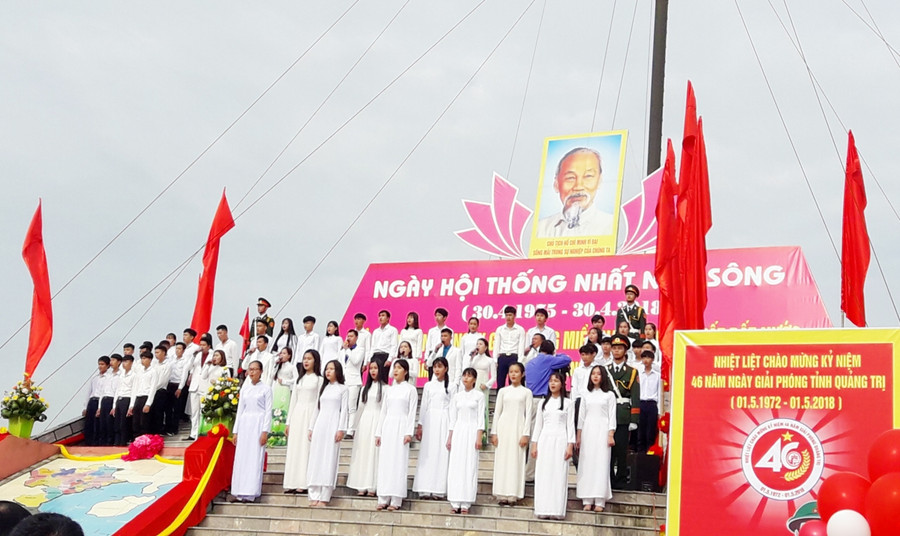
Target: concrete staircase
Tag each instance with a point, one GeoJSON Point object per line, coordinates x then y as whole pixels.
{"type": "Point", "coordinates": [628, 514]}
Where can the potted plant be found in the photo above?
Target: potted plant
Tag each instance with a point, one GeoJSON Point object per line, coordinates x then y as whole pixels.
{"type": "Point", "coordinates": [219, 404]}
{"type": "Point", "coordinates": [22, 406]}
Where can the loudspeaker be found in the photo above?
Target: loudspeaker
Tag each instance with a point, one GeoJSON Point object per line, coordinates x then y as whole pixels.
{"type": "Point", "coordinates": [643, 472]}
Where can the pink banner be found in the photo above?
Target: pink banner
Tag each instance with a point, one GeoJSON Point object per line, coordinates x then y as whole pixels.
{"type": "Point", "coordinates": [753, 288]}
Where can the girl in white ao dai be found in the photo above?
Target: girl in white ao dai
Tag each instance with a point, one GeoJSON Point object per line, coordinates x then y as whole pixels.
{"type": "Point", "coordinates": [596, 428]}
{"type": "Point", "coordinates": [509, 435]}
{"type": "Point", "coordinates": [552, 445]}
{"type": "Point", "coordinates": [364, 458]}
{"type": "Point", "coordinates": [393, 434]}
{"type": "Point", "coordinates": [303, 403]}
{"type": "Point", "coordinates": [465, 443]}
{"type": "Point", "coordinates": [326, 431]}
{"type": "Point", "coordinates": [432, 432]}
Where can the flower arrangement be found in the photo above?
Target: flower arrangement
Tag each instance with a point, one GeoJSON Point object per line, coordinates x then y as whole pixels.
{"type": "Point", "coordinates": [221, 401]}
{"type": "Point", "coordinates": [24, 401]}
{"type": "Point", "coordinates": [144, 447]}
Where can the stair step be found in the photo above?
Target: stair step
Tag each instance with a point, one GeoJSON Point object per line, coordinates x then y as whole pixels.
{"type": "Point", "coordinates": [406, 523]}
{"type": "Point", "coordinates": [343, 496]}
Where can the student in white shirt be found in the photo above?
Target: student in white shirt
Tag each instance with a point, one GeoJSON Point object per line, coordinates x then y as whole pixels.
{"type": "Point", "coordinates": [536, 340]}
{"type": "Point", "coordinates": [331, 345]}
{"type": "Point", "coordinates": [540, 326]}
{"type": "Point", "coordinates": [144, 393]}
{"type": "Point", "coordinates": [384, 338]}
{"type": "Point", "coordinates": [597, 321]}
{"type": "Point", "coordinates": [308, 340]}
{"type": "Point", "coordinates": [229, 347]}
{"type": "Point", "coordinates": [413, 335]}
{"type": "Point", "coordinates": [580, 379]}
{"type": "Point", "coordinates": [509, 344]}
{"type": "Point", "coordinates": [433, 341]}
{"type": "Point", "coordinates": [171, 340]}
{"type": "Point", "coordinates": [287, 337]}
{"type": "Point", "coordinates": [604, 356]}
{"type": "Point", "coordinates": [91, 412]}
{"type": "Point", "coordinates": [469, 341]}
{"type": "Point", "coordinates": [363, 337]}
{"type": "Point", "coordinates": [161, 402]}
{"type": "Point", "coordinates": [352, 359]}
{"type": "Point", "coordinates": [651, 402]}
{"type": "Point", "coordinates": [265, 358]}
{"type": "Point", "coordinates": [178, 369]}
{"type": "Point", "coordinates": [107, 402]}
{"type": "Point", "coordinates": [122, 402]}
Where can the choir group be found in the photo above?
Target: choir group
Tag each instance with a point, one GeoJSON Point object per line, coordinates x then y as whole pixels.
{"type": "Point", "coordinates": [309, 393]}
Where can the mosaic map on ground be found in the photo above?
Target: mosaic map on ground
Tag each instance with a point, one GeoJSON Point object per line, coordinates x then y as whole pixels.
{"type": "Point", "coordinates": [101, 496]}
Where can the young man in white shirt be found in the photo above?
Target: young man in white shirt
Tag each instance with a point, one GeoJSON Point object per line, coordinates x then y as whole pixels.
{"type": "Point", "coordinates": [509, 344]}
{"type": "Point", "coordinates": [265, 357]}
{"type": "Point", "coordinates": [353, 357]}
{"type": "Point", "coordinates": [363, 337]}
{"type": "Point", "coordinates": [605, 357]}
{"type": "Point", "coordinates": [161, 402]}
{"type": "Point", "coordinates": [230, 347]}
{"type": "Point", "coordinates": [452, 354]}
{"type": "Point", "coordinates": [536, 340]}
{"type": "Point", "coordinates": [178, 371]}
{"type": "Point", "coordinates": [91, 412]}
{"type": "Point", "coordinates": [191, 376]}
{"type": "Point", "coordinates": [385, 338]}
{"type": "Point", "coordinates": [122, 402]}
{"type": "Point", "coordinates": [308, 340]}
{"type": "Point", "coordinates": [144, 393]}
{"type": "Point", "coordinates": [540, 326]}
{"type": "Point", "coordinates": [651, 402]}
{"type": "Point", "coordinates": [107, 402]}
{"type": "Point", "coordinates": [433, 343]}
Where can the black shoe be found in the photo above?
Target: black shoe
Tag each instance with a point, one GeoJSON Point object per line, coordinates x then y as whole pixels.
{"type": "Point", "coordinates": [189, 438]}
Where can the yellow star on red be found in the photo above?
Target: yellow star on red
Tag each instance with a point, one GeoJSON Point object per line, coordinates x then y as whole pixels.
{"type": "Point", "coordinates": [787, 436]}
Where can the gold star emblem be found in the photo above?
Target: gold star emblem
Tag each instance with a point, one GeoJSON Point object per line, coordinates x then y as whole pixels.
{"type": "Point", "coordinates": [787, 436]}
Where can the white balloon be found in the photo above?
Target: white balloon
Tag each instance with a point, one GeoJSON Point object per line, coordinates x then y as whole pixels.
{"type": "Point", "coordinates": [848, 523]}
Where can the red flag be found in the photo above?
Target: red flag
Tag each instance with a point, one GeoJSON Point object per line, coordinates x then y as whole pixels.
{"type": "Point", "coordinates": [245, 330]}
{"type": "Point", "coordinates": [694, 216]}
{"type": "Point", "coordinates": [222, 223]}
{"type": "Point", "coordinates": [855, 241]}
{"type": "Point", "coordinates": [41, 311]}
{"type": "Point", "coordinates": [667, 269]}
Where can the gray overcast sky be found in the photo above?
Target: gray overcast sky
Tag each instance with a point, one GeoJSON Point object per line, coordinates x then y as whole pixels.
{"type": "Point", "coordinates": [103, 104]}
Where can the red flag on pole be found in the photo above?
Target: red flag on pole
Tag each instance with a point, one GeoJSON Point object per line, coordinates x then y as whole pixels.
{"type": "Point", "coordinates": [694, 216]}
{"type": "Point", "coordinates": [41, 310]}
{"type": "Point", "coordinates": [667, 269]}
{"type": "Point", "coordinates": [855, 250]}
{"type": "Point", "coordinates": [245, 330]}
{"type": "Point", "coordinates": [222, 223]}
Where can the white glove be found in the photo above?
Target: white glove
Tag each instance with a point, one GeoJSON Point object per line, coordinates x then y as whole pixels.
{"type": "Point", "coordinates": [632, 427]}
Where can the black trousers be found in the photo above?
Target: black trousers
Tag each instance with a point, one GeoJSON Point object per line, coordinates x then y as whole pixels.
{"type": "Point", "coordinates": [124, 432]}
{"type": "Point", "coordinates": [648, 427]}
{"type": "Point", "coordinates": [158, 410]}
{"type": "Point", "coordinates": [107, 422]}
{"type": "Point", "coordinates": [92, 423]}
{"type": "Point", "coordinates": [175, 407]}
{"type": "Point", "coordinates": [503, 363]}
{"type": "Point", "coordinates": [142, 423]}
{"type": "Point", "coordinates": [618, 461]}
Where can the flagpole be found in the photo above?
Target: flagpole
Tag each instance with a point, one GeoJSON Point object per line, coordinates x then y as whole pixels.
{"type": "Point", "coordinates": [657, 82]}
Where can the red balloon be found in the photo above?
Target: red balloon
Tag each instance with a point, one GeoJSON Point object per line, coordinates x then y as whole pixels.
{"type": "Point", "coordinates": [883, 504]}
{"type": "Point", "coordinates": [884, 455]}
{"type": "Point", "coordinates": [815, 527]}
{"type": "Point", "coordinates": [842, 491]}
